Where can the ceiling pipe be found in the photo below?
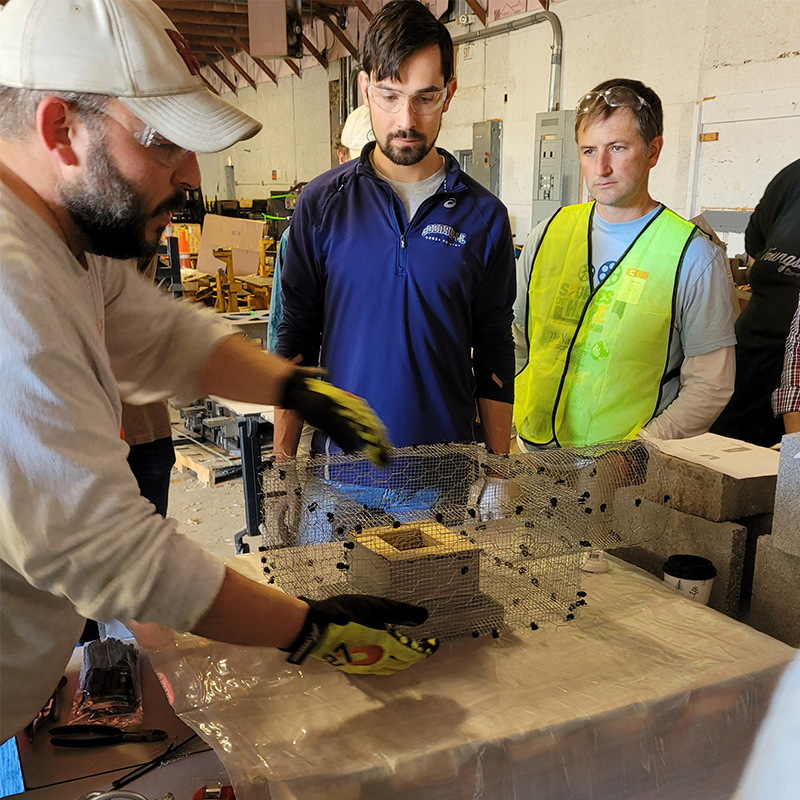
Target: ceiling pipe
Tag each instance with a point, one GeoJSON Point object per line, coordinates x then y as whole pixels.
{"type": "Point", "coordinates": [524, 22]}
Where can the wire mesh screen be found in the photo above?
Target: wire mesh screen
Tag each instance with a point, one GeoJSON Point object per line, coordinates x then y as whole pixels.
{"type": "Point", "coordinates": [487, 543]}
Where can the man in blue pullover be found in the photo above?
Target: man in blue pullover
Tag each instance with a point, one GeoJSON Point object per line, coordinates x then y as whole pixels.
{"type": "Point", "coordinates": [399, 275]}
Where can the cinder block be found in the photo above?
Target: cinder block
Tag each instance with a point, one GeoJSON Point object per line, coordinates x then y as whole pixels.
{"type": "Point", "coordinates": [703, 492]}
{"type": "Point", "coordinates": [757, 526]}
{"type": "Point", "coordinates": [786, 523]}
{"type": "Point", "coordinates": [775, 580]}
{"type": "Point", "coordinates": [673, 531]}
{"type": "Point", "coordinates": [415, 562]}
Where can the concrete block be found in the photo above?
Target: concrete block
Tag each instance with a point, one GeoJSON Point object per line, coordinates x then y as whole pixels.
{"type": "Point", "coordinates": [775, 580]}
{"type": "Point", "coordinates": [786, 523]}
{"type": "Point", "coordinates": [673, 531]}
{"type": "Point", "coordinates": [703, 492]}
{"type": "Point", "coordinates": [757, 526]}
{"type": "Point", "coordinates": [423, 562]}
{"type": "Point", "coordinates": [415, 562]}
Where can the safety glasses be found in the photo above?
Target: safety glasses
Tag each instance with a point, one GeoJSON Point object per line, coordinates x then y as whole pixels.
{"type": "Point", "coordinates": [423, 103]}
{"type": "Point", "coordinates": [615, 97]}
{"type": "Point", "coordinates": [162, 150]}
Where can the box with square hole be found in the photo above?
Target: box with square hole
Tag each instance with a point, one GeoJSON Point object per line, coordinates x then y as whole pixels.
{"type": "Point", "coordinates": [415, 562]}
{"type": "Point", "coordinates": [423, 562]}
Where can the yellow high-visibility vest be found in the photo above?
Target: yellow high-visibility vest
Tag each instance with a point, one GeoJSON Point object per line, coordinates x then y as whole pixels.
{"type": "Point", "coordinates": [597, 360]}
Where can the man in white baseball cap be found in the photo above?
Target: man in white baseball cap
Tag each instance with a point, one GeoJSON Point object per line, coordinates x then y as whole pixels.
{"type": "Point", "coordinates": [101, 110]}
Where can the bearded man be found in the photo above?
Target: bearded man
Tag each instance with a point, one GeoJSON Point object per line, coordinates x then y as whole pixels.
{"type": "Point", "coordinates": [101, 112]}
{"type": "Point", "coordinates": [399, 273]}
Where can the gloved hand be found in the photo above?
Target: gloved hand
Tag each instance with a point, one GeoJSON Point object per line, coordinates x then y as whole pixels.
{"type": "Point", "coordinates": [351, 632]}
{"type": "Point", "coordinates": [491, 497]}
{"type": "Point", "coordinates": [347, 419]}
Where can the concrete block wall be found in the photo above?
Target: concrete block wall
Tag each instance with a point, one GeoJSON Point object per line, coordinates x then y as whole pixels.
{"type": "Point", "coordinates": [690, 508]}
{"type": "Point", "coordinates": [673, 531]}
{"type": "Point", "coordinates": [295, 141]}
{"type": "Point", "coordinates": [703, 492]}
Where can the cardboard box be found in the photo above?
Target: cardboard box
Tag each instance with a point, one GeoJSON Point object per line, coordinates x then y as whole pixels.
{"type": "Point", "coordinates": [705, 226]}
{"type": "Point", "coordinates": [242, 236]}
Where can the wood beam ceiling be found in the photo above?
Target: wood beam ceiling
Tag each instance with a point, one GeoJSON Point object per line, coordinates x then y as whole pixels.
{"type": "Point", "coordinates": [267, 71]}
{"type": "Point", "coordinates": [214, 28]}
{"type": "Point", "coordinates": [236, 65]}
{"type": "Point", "coordinates": [217, 30]}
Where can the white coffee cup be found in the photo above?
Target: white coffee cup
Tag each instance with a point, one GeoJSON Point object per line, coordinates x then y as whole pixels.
{"type": "Point", "coordinates": [690, 575]}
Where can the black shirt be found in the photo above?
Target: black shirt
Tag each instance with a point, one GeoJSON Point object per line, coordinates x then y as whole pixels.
{"type": "Point", "coordinates": [773, 240]}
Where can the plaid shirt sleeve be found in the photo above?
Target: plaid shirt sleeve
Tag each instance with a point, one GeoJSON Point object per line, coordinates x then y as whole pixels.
{"type": "Point", "coordinates": [786, 397]}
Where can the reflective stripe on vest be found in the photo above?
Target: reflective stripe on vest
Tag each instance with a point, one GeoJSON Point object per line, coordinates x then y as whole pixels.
{"type": "Point", "coordinates": [597, 359]}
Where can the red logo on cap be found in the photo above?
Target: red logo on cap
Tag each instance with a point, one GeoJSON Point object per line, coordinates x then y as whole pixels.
{"type": "Point", "coordinates": [184, 51]}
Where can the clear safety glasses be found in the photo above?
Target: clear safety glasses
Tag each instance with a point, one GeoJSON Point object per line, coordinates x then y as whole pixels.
{"type": "Point", "coordinates": [392, 101]}
{"type": "Point", "coordinates": [615, 97]}
{"type": "Point", "coordinates": [162, 150]}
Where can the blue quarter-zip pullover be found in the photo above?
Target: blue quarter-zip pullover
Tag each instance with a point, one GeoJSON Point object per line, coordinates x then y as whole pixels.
{"type": "Point", "coordinates": [415, 316]}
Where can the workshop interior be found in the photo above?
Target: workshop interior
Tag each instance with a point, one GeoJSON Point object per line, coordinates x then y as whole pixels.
{"type": "Point", "coordinates": [590, 594]}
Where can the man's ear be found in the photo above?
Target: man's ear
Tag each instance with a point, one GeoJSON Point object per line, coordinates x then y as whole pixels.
{"type": "Point", "coordinates": [654, 151]}
{"type": "Point", "coordinates": [451, 90]}
{"type": "Point", "coordinates": [363, 82]}
{"type": "Point", "coordinates": [55, 125]}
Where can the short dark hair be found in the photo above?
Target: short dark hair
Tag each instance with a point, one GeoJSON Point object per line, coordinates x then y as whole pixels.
{"type": "Point", "coordinates": [649, 118]}
{"type": "Point", "coordinates": [400, 29]}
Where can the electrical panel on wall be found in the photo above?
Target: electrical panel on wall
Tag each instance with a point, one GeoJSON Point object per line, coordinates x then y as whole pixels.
{"type": "Point", "coordinates": [487, 140]}
{"type": "Point", "coordinates": [557, 170]}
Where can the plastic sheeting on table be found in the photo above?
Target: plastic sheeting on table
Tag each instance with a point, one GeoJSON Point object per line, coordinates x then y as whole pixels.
{"type": "Point", "coordinates": [647, 694]}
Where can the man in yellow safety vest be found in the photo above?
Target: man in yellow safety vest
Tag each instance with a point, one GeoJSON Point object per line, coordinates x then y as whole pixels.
{"type": "Point", "coordinates": [623, 319]}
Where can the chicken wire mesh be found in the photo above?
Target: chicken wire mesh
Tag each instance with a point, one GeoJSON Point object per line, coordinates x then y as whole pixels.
{"type": "Point", "coordinates": [487, 543]}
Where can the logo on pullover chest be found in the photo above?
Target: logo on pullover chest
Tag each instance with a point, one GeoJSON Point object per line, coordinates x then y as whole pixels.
{"type": "Point", "coordinates": [444, 234]}
{"type": "Point", "coordinates": [788, 263]}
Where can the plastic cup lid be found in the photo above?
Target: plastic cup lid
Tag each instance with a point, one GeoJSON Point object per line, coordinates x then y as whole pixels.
{"type": "Point", "coordinates": [689, 567]}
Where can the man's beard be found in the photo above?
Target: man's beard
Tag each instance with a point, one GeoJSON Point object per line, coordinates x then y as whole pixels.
{"type": "Point", "coordinates": [406, 156]}
{"type": "Point", "coordinates": [109, 213]}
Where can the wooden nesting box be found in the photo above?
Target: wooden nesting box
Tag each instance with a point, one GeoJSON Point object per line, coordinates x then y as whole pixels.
{"type": "Point", "coordinates": [415, 561]}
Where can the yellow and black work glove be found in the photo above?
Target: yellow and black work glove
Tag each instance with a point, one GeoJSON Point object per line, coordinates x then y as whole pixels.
{"type": "Point", "coordinates": [347, 419]}
{"type": "Point", "coordinates": [352, 633]}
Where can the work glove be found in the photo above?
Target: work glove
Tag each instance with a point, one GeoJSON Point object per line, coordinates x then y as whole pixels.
{"type": "Point", "coordinates": [491, 497]}
{"type": "Point", "coordinates": [353, 633]}
{"type": "Point", "coordinates": [347, 419]}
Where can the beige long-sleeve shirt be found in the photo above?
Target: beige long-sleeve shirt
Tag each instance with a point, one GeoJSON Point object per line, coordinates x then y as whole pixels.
{"type": "Point", "coordinates": [76, 538]}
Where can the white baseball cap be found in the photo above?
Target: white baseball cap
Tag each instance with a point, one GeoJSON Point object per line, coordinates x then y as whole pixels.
{"type": "Point", "coordinates": [127, 49]}
{"type": "Point", "coordinates": [357, 130]}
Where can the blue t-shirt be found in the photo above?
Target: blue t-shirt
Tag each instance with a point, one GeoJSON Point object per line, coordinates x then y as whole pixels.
{"type": "Point", "coordinates": [610, 240]}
